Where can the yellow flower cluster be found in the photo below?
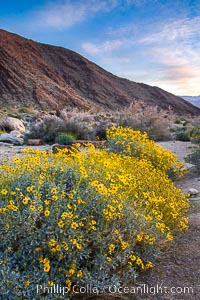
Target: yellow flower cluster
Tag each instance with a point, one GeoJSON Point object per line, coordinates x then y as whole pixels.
{"type": "Point", "coordinates": [46, 263]}
{"type": "Point", "coordinates": [84, 210]}
{"type": "Point", "coordinates": [135, 143]}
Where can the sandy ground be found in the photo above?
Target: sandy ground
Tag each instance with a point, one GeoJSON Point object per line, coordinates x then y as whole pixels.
{"type": "Point", "coordinates": [182, 150]}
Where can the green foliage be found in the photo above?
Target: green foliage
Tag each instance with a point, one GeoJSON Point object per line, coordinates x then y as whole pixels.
{"type": "Point", "coordinates": [65, 138]}
{"type": "Point", "coordinates": [182, 134]}
{"type": "Point", "coordinates": [182, 121]}
{"type": "Point", "coordinates": [194, 158]}
{"type": "Point", "coordinates": [2, 131]}
{"type": "Point", "coordinates": [100, 130]}
{"type": "Point", "coordinates": [81, 130]}
{"type": "Point", "coordinates": [188, 133]}
{"type": "Point", "coordinates": [195, 135]}
{"type": "Point", "coordinates": [85, 218]}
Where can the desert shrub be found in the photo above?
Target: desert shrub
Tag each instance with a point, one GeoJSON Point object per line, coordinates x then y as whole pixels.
{"type": "Point", "coordinates": [134, 143]}
{"type": "Point", "coordinates": [195, 135]}
{"type": "Point", "coordinates": [181, 120]}
{"type": "Point", "coordinates": [65, 138]}
{"type": "Point", "coordinates": [81, 130]}
{"type": "Point", "coordinates": [188, 133]}
{"type": "Point", "coordinates": [182, 134]}
{"type": "Point", "coordinates": [194, 158]}
{"type": "Point", "coordinates": [85, 125]}
{"type": "Point", "coordinates": [47, 129]}
{"type": "Point", "coordinates": [84, 131]}
{"type": "Point", "coordinates": [156, 123]}
{"type": "Point", "coordinates": [101, 128]}
{"type": "Point", "coordinates": [84, 218]}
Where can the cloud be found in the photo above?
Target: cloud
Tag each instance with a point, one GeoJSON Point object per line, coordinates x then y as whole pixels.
{"type": "Point", "coordinates": [181, 29]}
{"type": "Point", "coordinates": [180, 74]}
{"type": "Point", "coordinates": [104, 47]}
{"type": "Point", "coordinates": [186, 85]}
{"type": "Point", "coordinates": [59, 16]}
{"type": "Point", "coordinates": [64, 14]}
{"type": "Point", "coordinates": [177, 68]}
{"type": "Point", "coordinates": [169, 61]}
{"type": "Point", "coordinates": [167, 53]}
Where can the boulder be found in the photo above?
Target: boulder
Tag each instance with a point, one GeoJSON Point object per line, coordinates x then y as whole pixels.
{"type": "Point", "coordinates": [17, 133]}
{"type": "Point", "coordinates": [8, 138]}
{"type": "Point", "coordinates": [35, 142]}
{"type": "Point", "coordinates": [193, 192]}
{"type": "Point", "coordinates": [10, 123]}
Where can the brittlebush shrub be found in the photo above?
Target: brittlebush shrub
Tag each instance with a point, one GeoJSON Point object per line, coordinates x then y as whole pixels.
{"type": "Point", "coordinates": [83, 218]}
{"type": "Point", "coordinates": [136, 144]}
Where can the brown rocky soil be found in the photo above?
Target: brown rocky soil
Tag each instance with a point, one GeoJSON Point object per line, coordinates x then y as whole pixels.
{"type": "Point", "coordinates": [39, 76]}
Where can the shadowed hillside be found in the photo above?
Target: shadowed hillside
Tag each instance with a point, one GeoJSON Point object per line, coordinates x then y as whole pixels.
{"type": "Point", "coordinates": [48, 77]}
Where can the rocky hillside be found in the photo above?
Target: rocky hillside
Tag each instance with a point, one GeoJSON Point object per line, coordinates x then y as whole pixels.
{"type": "Point", "coordinates": [47, 77]}
{"type": "Point", "coordinates": [195, 100]}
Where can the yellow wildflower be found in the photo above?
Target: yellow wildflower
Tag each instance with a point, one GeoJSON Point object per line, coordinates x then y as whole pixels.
{"type": "Point", "coordinates": [80, 274]}
{"type": "Point", "coordinates": [4, 192]}
{"type": "Point", "coordinates": [46, 212]}
{"type": "Point", "coordinates": [61, 224]}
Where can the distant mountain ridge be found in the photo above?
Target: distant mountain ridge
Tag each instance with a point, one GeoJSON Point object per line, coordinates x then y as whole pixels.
{"type": "Point", "coordinates": [195, 100]}
{"type": "Point", "coordinates": [48, 77]}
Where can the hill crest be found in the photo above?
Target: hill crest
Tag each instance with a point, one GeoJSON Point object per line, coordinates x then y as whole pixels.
{"type": "Point", "coordinates": [42, 76]}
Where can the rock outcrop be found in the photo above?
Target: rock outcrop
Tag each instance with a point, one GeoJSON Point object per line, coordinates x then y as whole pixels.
{"type": "Point", "coordinates": [11, 139]}
{"type": "Point", "coordinates": [10, 124]}
{"type": "Point", "coordinates": [35, 142]}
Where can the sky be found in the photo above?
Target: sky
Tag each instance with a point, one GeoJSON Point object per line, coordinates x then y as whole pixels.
{"type": "Point", "coordinates": [156, 42]}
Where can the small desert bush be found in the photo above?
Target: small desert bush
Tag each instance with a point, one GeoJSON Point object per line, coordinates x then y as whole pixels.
{"type": "Point", "coordinates": [87, 126]}
{"type": "Point", "coordinates": [46, 129]}
{"type": "Point", "coordinates": [188, 133]}
{"type": "Point", "coordinates": [80, 125]}
{"type": "Point", "coordinates": [195, 135]}
{"type": "Point", "coordinates": [65, 138]}
{"type": "Point", "coordinates": [182, 120]}
{"type": "Point", "coordinates": [155, 122]}
{"type": "Point", "coordinates": [82, 130]}
{"type": "Point", "coordinates": [85, 218]}
{"type": "Point", "coordinates": [194, 158]}
{"type": "Point", "coordinates": [182, 134]}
